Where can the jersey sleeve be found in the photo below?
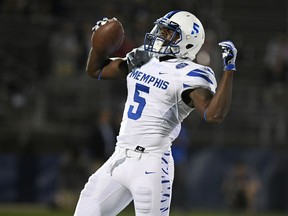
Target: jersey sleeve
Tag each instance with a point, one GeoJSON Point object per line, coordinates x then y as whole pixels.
{"type": "Point", "coordinates": [202, 77]}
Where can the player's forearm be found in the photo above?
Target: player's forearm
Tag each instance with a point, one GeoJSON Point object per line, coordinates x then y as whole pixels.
{"type": "Point", "coordinates": [94, 64]}
{"type": "Point", "coordinates": [100, 67]}
{"type": "Point", "coordinates": [219, 105]}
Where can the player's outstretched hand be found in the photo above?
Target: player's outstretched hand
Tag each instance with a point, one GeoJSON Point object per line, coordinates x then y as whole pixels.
{"type": "Point", "coordinates": [229, 54]}
{"type": "Point", "coordinates": [101, 22]}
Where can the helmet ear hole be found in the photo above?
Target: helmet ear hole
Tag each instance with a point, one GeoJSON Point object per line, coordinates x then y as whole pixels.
{"type": "Point", "coordinates": [188, 46]}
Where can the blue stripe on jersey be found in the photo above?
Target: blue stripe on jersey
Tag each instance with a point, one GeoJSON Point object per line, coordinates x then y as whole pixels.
{"type": "Point", "coordinates": [165, 183]}
{"type": "Point", "coordinates": [164, 209]}
{"type": "Point", "coordinates": [163, 159]}
{"type": "Point", "coordinates": [198, 73]}
{"type": "Point", "coordinates": [205, 71]}
{"type": "Point", "coordinates": [186, 86]}
{"type": "Point", "coordinates": [167, 153]}
{"type": "Point", "coordinates": [164, 171]}
{"type": "Point", "coordinates": [170, 14]}
{"type": "Point", "coordinates": [210, 71]}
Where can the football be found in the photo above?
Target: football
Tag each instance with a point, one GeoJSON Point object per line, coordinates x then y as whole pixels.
{"type": "Point", "coordinates": [108, 38]}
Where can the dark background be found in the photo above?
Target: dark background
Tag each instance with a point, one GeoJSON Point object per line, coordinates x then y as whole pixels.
{"type": "Point", "coordinates": [54, 120]}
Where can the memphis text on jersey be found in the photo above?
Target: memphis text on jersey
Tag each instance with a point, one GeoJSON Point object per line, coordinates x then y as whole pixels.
{"type": "Point", "coordinates": [150, 80]}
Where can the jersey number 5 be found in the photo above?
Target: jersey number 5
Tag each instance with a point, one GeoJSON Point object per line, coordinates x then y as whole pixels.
{"type": "Point", "coordinates": [138, 99]}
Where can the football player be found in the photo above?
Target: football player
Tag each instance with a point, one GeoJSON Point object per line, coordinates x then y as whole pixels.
{"type": "Point", "coordinates": [164, 86]}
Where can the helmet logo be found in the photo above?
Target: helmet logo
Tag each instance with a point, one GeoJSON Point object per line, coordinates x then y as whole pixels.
{"type": "Point", "coordinates": [195, 29]}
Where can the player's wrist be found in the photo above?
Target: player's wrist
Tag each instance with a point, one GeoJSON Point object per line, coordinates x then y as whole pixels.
{"type": "Point", "coordinates": [230, 67]}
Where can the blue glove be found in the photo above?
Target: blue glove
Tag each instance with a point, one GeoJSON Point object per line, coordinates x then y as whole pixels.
{"type": "Point", "coordinates": [229, 54]}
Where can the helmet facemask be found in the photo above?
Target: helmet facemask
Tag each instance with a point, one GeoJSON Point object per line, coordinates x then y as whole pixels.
{"type": "Point", "coordinates": [163, 38]}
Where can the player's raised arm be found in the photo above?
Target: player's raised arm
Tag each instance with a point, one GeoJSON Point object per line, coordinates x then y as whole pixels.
{"type": "Point", "coordinates": [107, 37]}
{"type": "Point", "coordinates": [215, 108]}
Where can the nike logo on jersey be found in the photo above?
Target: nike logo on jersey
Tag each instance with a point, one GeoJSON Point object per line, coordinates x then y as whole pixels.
{"type": "Point", "coordinates": [147, 172]}
{"type": "Point", "coordinates": [162, 73]}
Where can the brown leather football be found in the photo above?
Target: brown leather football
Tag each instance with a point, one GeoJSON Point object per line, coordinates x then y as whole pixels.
{"type": "Point", "coordinates": [108, 38]}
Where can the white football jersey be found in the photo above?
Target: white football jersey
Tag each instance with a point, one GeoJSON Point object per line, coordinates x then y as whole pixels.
{"type": "Point", "coordinates": [154, 108]}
